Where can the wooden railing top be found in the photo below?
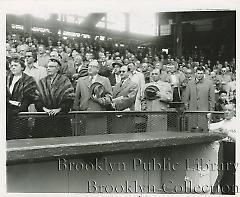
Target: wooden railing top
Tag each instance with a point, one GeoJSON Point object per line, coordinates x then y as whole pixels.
{"type": "Point", "coordinates": [49, 148]}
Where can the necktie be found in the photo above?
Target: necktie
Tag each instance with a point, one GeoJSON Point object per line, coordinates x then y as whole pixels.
{"type": "Point", "coordinates": [121, 83]}
{"type": "Point", "coordinates": [91, 79]}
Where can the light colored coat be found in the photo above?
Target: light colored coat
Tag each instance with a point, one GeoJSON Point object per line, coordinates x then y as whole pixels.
{"type": "Point", "coordinates": [199, 96]}
{"type": "Point", "coordinates": [83, 99]}
{"type": "Point", "coordinates": [138, 78]}
{"type": "Point", "coordinates": [161, 103]}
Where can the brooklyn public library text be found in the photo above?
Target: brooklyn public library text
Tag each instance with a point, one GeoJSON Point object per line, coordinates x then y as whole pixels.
{"type": "Point", "coordinates": [105, 164]}
{"type": "Point", "coordinates": [154, 164]}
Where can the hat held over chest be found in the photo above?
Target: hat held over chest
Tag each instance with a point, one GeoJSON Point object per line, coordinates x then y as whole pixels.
{"type": "Point", "coordinates": [97, 89]}
{"type": "Point", "coordinates": [151, 92]}
{"type": "Point", "coordinates": [83, 72]}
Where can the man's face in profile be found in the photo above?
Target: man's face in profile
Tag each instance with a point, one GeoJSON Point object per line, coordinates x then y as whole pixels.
{"type": "Point", "coordinates": [229, 112]}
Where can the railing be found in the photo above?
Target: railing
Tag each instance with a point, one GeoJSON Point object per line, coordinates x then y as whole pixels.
{"type": "Point", "coordinates": [197, 121]}
{"type": "Point", "coordinates": [78, 123]}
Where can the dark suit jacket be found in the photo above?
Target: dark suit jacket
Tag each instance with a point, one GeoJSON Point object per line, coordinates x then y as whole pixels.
{"type": "Point", "coordinates": [83, 99]}
{"type": "Point", "coordinates": [124, 96]}
{"type": "Point", "coordinates": [112, 79]}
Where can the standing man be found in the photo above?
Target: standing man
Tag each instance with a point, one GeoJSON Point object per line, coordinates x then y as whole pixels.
{"type": "Point", "coordinates": [157, 94]}
{"type": "Point", "coordinates": [199, 94]}
{"type": "Point", "coordinates": [163, 95]}
{"type": "Point", "coordinates": [138, 78]}
{"type": "Point", "coordinates": [87, 100]}
{"type": "Point", "coordinates": [84, 101]}
{"type": "Point", "coordinates": [124, 92]}
{"type": "Point", "coordinates": [124, 96]}
{"type": "Point", "coordinates": [227, 126]}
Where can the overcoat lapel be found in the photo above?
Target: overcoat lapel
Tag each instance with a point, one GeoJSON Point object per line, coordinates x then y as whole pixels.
{"type": "Point", "coordinates": [125, 84]}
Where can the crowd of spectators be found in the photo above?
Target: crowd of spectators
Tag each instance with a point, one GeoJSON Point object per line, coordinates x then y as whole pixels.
{"type": "Point", "coordinates": [75, 53]}
{"type": "Point", "coordinates": [195, 81]}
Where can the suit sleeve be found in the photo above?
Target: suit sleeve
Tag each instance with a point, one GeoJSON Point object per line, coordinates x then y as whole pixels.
{"type": "Point", "coordinates": [142, 84]}
{"type": "Point", "coordinates": [211, 97]}
{"type": "Point", "coordinates": [186, 96]}
{"type": "Point", "coordinates": [127, 101]}
{"type": "Point", "coordinates": [167, 94]}
{"type": "Point", "coordinates": [76, 102]}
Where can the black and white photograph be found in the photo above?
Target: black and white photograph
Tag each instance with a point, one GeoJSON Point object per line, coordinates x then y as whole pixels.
{"type": "Point", "coordinates": [120, 101]}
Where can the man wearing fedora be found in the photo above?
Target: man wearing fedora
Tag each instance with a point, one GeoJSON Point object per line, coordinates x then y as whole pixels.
{"type": "Point", "coordinates": [115, 75]}
{"type": "Point", "coordinates": [157, 94]}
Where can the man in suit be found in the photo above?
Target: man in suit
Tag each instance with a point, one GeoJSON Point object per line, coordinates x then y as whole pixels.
{"type": "Point", "coordinates": [124, 92]}
{"type": "Point", "coordinates": [78, 64]}
{"type": "Point", "coordinates": [115, 75]}
{"type": "Point", "coordinates": [199, 96]}
{"type": "Point", "coordinates": [104, 70]}
{"type": "Point", "coordinates": [137, 77]}
{"type": "Point", "coordinates": [124, 96]}
{"type": "Point", "coordinates": [84, 100]}
{"type": "Point", "coordinates": [163, 95]}
{"type": "Point", "coordinates": [175, 78]}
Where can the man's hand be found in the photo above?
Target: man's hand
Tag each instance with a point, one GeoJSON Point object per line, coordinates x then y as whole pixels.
{"type": "Point", "coordinates": [113, 105]}
{"type": "Point", "coordinates": [158, 94]}
{"type": "Point", "coordinates": [52, 112]}
{"type": "Point", "coordinates": [46, 110]}
{"type": "Point", "coordinates": [76, 75]}
{"type": "Point", "coordinates": [218, 130]}
{"type": "Point", "coordinates": [95, 99]}
{"type": "Point", "coordinates": [16, 103]}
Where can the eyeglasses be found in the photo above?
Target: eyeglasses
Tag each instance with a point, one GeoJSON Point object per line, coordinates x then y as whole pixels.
{"type": "Point", "coordinates": [122, 71]}
{"type": "Point", "coordinates": [51, 66]}
{"type": "Point", "coordinates": [154, 73]}
{"type": "Point", "coordinates": [14, 64]}
{"type": "Point", "coordinates": [51, 60]}
{"type": "Point", "coordinates": [90, 66]}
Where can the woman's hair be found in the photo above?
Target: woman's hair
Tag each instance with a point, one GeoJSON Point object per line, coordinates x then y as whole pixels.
{"type": "Point", "coordinates": [34, 54]}
{"type": "Point", "coordinates": [18, 59]}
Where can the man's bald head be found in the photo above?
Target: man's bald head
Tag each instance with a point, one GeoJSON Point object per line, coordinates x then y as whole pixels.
{"type": "Point", "coordinates": [155, 74]}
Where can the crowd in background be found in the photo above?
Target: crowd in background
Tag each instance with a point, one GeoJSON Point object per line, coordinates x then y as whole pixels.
{"type": "Point", "coordinates": [152, 78]}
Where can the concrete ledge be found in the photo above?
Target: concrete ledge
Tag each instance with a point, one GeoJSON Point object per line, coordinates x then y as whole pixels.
{"type": "Point", "coordinates": [43, 148]}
